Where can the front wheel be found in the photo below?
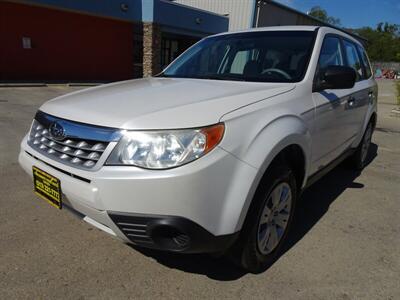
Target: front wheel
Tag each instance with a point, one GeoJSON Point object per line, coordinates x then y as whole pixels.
{"type": "Point", "coordinates": [268, 220]}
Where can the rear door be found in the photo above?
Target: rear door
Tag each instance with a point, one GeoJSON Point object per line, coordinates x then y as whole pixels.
{"type": "Point", "coordinates": [356, 108]}
{"type": "Point", "coordinates": [369, 83]}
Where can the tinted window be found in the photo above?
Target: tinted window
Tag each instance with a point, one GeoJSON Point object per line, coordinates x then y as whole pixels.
{"type": "Point", "coordinates": [269, 56]}
{"type": "Point", "coordinates": [240, 60]}
{"type": "Point", "coordinates": [331, 53]}
{"type": "Point", "coordinates": [365, 62]}
{"type": "Point", "coordinates": [352, 58]}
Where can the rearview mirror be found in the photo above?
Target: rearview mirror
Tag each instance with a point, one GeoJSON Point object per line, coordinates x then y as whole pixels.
{"type": "Point", "coordinates": [335, 77]}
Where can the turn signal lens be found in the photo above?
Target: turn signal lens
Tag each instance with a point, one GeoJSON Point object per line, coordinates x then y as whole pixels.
{"type": "Point", "coordinates": [213, 135]}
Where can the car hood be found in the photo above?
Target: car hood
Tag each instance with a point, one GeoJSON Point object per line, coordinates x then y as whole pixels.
{"type": "Point", "coordinates": [160, 103]}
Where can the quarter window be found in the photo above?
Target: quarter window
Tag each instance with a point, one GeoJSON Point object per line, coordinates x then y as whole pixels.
{"type": "Point", "coordinates": [353, 59]}
{"type": "Point", "coordinates": [365, 62]}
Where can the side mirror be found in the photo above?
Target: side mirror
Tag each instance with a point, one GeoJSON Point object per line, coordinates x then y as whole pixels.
{"type": "Point", "coordinates": [335, 77]}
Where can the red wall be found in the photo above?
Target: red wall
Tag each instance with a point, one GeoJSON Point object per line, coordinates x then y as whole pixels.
{"type": "Point", "coordinates": [65, 45]}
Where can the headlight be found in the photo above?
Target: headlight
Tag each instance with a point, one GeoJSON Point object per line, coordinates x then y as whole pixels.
{"type": "Point", "coordinates": [165, 149]}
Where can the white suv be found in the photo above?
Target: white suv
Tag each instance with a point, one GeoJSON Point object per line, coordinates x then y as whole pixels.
{"type": "Point", "coordinates": [212, 154]}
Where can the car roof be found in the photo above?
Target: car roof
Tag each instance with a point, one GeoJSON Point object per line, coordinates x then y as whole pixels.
{"type": "Point", "coordinates": [272, 28]}
{"type": "Point", "coordinates": [292, 28]}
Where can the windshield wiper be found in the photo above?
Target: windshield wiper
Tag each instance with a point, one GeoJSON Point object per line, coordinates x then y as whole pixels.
{"type": "Point", "coordinates": [223, 77]}
{"type": "Point", "coordinates": [211, 77]}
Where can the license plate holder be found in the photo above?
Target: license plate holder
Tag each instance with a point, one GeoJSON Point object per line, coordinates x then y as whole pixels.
{"type": "Point", "coordinates": [47, 187]}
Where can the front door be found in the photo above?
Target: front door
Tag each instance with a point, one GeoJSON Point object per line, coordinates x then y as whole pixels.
{"type": "Point", "coordinates": [333, 131]}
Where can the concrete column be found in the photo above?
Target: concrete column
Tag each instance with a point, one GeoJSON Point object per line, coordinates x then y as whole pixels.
{"type": "Point", "coordinates": [151, 49]}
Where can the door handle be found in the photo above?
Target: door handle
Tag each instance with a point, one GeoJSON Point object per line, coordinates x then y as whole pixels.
{"type": "Point", "coordinates": [371, 96]}
{"type": "Point", "coordinates": [351, 101]}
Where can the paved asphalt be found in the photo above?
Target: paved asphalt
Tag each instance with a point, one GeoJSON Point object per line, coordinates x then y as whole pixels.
{"type": "Point", "coordinates": [345, 243]}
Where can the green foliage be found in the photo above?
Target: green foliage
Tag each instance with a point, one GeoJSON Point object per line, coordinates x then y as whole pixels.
{"type": "Point", "coordinates": [383, 42]}
{"type": "Point", "coordinates": [321, 14]}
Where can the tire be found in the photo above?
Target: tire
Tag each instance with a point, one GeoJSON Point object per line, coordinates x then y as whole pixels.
{"type": "Point", "coordinates": [261, 238]}
{"type": "Point", "coordinates": [359, 158]}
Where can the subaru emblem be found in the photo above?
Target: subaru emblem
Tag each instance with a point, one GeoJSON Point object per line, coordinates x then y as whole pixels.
{"type": "Point", "coordinates": [57, 131]}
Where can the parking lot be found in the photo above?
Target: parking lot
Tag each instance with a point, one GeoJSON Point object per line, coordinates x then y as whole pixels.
{"type": "Point", "coordinates": [345, 242]}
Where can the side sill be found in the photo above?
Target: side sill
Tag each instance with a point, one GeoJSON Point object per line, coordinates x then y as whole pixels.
{"type": "Point", "coordinates": [325, 170]}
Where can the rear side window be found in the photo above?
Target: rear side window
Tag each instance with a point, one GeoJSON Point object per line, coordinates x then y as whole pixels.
{"type": "Point", "coordinates": [364, 58]}
{"type": "Point", "coordinates": [353, 59]}
{"type": "Point", "coordinates": [331, 53]}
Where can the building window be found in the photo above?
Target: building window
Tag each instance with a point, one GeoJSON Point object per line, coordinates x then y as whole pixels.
{"type": "Point", "coordinates": [169, 51]}
{"type": "Point", "coordinates": [26, 43]}
{"type": "Point", "coordinates": [172, 45]}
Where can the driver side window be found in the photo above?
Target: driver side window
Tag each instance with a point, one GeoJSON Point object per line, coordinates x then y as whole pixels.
{"type": "Point", "coordinates": [331, 53]}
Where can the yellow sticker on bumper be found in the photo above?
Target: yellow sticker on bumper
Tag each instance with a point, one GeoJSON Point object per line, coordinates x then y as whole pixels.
{"type": "Point", "coordinates": [47, 187]}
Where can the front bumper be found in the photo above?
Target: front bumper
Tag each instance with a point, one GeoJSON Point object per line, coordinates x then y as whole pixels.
{"type": "Point", "coordinates": [170, 233]}
{"type": "Point", "coordinates": [201, 201]}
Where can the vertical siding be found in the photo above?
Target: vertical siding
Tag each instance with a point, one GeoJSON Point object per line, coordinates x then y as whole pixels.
{"type": "Point", "coordinates": [273, 15]}
{"type": "Point", "coordinates": [65, 46]}
{"type": "Point", "coordinates": [240, 11]}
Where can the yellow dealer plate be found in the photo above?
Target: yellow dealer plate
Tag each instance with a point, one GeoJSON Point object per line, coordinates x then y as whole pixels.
{"type": "Point", "coordinates": [47, 187]}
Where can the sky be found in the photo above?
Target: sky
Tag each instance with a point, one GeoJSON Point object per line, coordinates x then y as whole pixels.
{"type": "Point", "coordinates": [353, 13]}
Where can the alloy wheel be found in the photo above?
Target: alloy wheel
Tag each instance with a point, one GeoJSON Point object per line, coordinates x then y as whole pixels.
{"type": "Point", "coordinates": [274, 218]}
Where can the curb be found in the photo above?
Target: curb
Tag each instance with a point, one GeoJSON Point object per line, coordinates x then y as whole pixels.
{"type": "Point", "coordinates": [85, 84]}
{"type": "Point", "coordinates": [42, 84]}
{"type": "Point", "coordinates": [395, 112]}
{"type": "Point", "coordinates": [22, 84]}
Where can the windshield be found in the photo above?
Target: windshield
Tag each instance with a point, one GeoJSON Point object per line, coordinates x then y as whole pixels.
{"type": "Point", "coordinates": [267, 56]}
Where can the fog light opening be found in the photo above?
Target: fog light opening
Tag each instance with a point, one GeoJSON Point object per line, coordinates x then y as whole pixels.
{"type": "Point", "coordinates": [168, 237]}
{"type": "Point", "coordinates": [182, 240]}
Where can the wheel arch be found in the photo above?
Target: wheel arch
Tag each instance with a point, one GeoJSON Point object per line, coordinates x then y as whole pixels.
{"type": "Point", "coordinates": [294, 146]}
{"type": "Point", "coordinates": [371, 115]}
{"type": "Point", "coordinates": [373, 119]}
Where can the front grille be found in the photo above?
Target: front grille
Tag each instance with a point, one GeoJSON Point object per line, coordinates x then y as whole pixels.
{"type": "Point", "coordinates": [58, 169]}
{"type": "Point", "coordinates": [72, 151]}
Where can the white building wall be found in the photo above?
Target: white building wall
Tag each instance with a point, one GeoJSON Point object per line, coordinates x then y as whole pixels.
{"type": "Point", "coordinates": [240, 12]}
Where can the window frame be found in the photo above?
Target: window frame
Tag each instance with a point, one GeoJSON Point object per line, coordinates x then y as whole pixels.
{"type": "Point", "coordinates": [355, 44]}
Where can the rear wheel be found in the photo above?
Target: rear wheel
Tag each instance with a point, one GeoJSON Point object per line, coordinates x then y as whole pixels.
{"type": "Point", "coordinates": [359, 158]}
{"type": "Point", "coordinates": [268, 220]}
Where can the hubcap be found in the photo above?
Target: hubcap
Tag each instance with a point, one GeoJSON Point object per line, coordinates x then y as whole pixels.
{"type": "Point", "coordinates": [366, 143]}
{"type": "Point", "coordinates": [274, 218]}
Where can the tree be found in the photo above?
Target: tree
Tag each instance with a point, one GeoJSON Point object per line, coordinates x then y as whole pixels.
{"type": "Point", "coordinates": [383, 41]}
{"type": "Point", "coordinates": [321, 14]}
